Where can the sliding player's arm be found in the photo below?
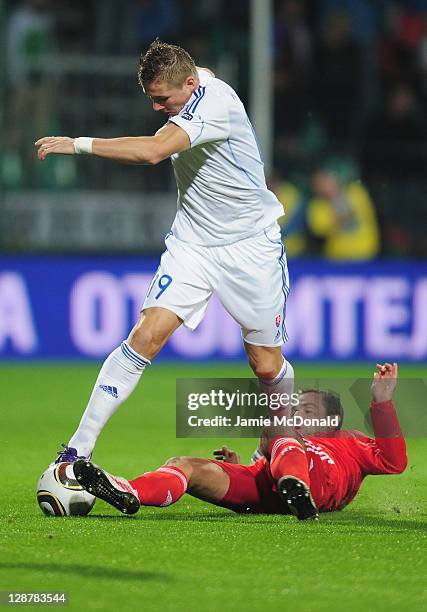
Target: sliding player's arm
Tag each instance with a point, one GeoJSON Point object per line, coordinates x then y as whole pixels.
{"type": "Point", "coordinates": [151, 150]}
{"type": "Point", "coordinates": [387, 454]}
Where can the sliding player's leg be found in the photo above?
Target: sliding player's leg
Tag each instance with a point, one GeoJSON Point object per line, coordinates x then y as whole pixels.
{"type": "Point", "coordinates": [285, 450]}
{"type": "Point", "coordinates": [234, 486]}
{"type": "Point", "coordinates": [202, 478]}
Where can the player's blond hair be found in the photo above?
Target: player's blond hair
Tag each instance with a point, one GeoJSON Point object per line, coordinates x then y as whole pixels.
{"type": "Point", "coordinates": [164, 62]}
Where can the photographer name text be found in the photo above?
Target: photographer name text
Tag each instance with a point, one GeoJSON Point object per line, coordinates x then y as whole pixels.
{"type": "Point", "coordinates": [278, 421]}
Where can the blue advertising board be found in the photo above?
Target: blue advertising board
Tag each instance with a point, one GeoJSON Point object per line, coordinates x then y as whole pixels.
{"type": "Point", "coordinates": [82, 307]}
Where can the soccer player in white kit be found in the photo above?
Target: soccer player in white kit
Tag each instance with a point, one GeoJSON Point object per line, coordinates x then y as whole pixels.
{"type": "Point", "coordinates": [225, 238]}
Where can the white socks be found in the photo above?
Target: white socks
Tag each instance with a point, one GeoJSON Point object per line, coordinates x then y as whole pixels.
{"type": "Point", "coordinates": [282, 384]}
{"type": "Point", "coordinates": [117, 379]}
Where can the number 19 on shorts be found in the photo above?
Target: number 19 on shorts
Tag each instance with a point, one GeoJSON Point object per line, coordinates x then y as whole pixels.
{"type": "Point", "coordinates": [161, 284]}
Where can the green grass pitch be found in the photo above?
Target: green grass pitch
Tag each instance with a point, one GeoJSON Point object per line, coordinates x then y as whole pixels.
{"type": "Point", "coordinates": [193, 556]}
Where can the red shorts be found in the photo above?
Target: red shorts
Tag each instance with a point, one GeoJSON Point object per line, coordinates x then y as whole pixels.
{"type": "Point", "coordinates": [252, 488]}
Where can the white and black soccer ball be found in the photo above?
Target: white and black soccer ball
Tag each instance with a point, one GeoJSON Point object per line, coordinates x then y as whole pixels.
{"type": "Point", "coordinates": [59, 493]}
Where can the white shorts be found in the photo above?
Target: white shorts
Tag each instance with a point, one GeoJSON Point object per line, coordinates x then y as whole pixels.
{"type": "Point", "coordinates": [250, 277]}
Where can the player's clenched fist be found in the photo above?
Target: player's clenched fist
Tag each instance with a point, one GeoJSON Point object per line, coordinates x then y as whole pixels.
{"type": "Point", "coordinates": [54, 144]}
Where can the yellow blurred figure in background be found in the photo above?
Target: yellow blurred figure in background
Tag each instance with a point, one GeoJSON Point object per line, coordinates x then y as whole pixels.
{"type": "Point", "coordinates": [342, 215]}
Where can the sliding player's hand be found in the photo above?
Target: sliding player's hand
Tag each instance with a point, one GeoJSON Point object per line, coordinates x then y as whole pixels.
{"type": "Point", "coordinates": [54, 144]}
{"type": "Point", "coordinates": [227, 455]}
{"type": "Point", "coordinates": [384, 383]}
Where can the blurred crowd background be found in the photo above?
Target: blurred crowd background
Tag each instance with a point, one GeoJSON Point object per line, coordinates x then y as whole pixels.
{"type": "Point", "coordinates": [350, 120]}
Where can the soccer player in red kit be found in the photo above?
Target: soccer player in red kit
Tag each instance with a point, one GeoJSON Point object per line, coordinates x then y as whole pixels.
{"type": "Point", "coordinates": [301, 473]}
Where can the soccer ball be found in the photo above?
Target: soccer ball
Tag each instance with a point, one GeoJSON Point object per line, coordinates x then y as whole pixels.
{"type": "Point", "coordinates": [59, 493]}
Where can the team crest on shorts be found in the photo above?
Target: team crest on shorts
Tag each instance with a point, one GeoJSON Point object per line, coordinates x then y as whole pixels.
{"type": "Point", "coordinates": [278, 320]}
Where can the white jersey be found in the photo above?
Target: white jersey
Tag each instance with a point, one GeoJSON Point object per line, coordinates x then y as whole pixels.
{"type": "Point", "coordinates": [222, 194]}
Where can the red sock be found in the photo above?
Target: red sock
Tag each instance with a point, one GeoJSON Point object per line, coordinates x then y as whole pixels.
{"type": "Point", "coordinates": [163, 487]}
{"type": "Point", "coordinates": [288, 458]}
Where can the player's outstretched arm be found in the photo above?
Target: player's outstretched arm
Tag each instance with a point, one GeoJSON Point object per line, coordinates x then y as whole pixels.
{"type": "Point", "coordinates": [129, 150]}
{"type": "Point", "coordinates": [389, 455]}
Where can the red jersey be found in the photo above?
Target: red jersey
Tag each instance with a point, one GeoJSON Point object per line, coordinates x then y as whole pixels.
{"type": "Point", "coordinates": [337, 466]}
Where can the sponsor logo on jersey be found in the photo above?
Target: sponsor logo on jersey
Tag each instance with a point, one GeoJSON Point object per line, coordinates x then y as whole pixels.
{"type": "Point", "coordinates": [187, 116]}
{"type": "Point", "coordinates": [278, 320]}
{"type": "Point", "coordinates": [318, 450]}
{"type": "Point", "coordinates": [110, 390]}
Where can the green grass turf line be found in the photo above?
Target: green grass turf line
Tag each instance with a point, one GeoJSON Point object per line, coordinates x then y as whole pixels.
{"type": "Point", "coordinates": [192, 556]}
{"type": "Point", "coordinates": [233, 368]}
